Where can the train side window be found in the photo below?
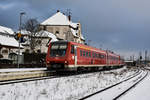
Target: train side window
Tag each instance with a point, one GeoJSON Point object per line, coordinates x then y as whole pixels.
{"type": "Point", "coordinates": [72, 49]}
{"type": "Point", "coordinates": [96, 55]}
{"type": "Point", "coordinates": [93, 55]}
{"type": "Point", "coordinates": [99, 55]}
{"type": "Point", "coordinates": [86, 53]}
{"type": "Point", "coordinates": [83, 53]}
{"type": "Point", "coordinates": [102, 56]}
{"type": "Point", "coordinates": [89, 54]}
{"type": "Point", "coordinates": [80, 52]}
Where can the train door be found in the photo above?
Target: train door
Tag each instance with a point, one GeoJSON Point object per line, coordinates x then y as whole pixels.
{"type": "Point", "coordinates": [75, 55]}
{"type": "Point", "coordinates": [107, 58]}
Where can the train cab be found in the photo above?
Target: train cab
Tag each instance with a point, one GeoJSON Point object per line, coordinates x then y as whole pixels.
{"type": "Point", "coordinates": [61, 55]}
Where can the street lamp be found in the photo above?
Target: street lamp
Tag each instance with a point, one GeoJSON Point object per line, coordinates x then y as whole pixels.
{"type": "Point", "coordinates": [20, 27]}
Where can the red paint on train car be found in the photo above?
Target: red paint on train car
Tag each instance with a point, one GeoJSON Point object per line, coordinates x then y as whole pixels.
{"type": "Point", "coordinates": [63, 55]}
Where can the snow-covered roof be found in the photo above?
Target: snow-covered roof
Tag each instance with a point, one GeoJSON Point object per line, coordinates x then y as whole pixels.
{"type": "Point", "coordinates": [82, 37]}
{"type": "Point", "coordinates": [75, 25]}
{"type": "Point", "coordinates": [24, 32]}
{"type": "Point", "coordinates": [47, 34]}
{"type": "Point", "coordinates": [57, 19]}
{"type": "Point", "coordinates": [61, 19]}
{"type": "Point", "coordinates": [9, 41]}
{"type": "Point", "coordinates": [74, 32]}
{"type": "Point", "coordinates": [6, 30]}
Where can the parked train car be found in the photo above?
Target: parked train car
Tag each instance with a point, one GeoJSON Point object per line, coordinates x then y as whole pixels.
{"type": "Point", "coordinates": [64, 55]}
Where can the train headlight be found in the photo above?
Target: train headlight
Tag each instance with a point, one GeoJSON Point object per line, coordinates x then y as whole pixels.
{"type": "Point", "coordinates": [66, 62]}
{"type": "Point", "coordinates": [72, 57]}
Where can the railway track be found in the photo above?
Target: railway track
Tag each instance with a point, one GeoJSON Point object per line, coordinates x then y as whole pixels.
{"type": "Point", "coordinates": [117, 90]}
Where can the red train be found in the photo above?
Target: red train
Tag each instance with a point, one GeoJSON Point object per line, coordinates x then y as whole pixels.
{"type": "Point", "coordinates": [64, 55]}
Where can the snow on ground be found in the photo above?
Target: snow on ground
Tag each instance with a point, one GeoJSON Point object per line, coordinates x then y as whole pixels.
{"type": "Point", "coordinates": [20, 69]}
{"type": "Point", "coordinates": [140, 92]}
{"type": "Point", "coordinates": [147, 67]}
{"type": "Point", "coordinates": [64, 88]}
{"type": "Point", "coordinates": [115, 91]}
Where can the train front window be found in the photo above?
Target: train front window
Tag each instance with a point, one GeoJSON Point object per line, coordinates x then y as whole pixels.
{"type": "Point", "coordinates": [58, 49]}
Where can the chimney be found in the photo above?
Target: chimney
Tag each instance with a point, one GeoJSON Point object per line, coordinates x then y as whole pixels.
{"type": "Point", "coordinates": [69, 17]}
{"type": "Point", "coordinates": [58, 11]}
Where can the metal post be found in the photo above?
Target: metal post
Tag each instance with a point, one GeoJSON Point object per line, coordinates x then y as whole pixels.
{"type": "Point", "coordinates": [21, 14]}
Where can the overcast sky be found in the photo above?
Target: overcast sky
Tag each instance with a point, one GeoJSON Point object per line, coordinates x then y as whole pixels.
{"type": "Point", "coordinates": [119, 25]}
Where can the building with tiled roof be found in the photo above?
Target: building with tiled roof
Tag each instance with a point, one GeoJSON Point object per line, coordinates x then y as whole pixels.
{"type": "Point", "coordinates": [63, 28]}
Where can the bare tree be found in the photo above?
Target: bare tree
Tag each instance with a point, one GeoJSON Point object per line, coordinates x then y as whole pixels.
{"type": "Point", "coordinates": [32, 27]}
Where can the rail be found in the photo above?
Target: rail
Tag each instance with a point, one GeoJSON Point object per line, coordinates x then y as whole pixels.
{"type": "Point", "coordinates": [107, 88]}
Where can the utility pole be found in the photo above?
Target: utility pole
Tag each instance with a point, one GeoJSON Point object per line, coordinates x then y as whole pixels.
{"type": "Point", "coordinates": [89, 41]}
{"type": "Point", "coordinates": [140, 57]}
{"type": "Point", "coordinates": [145, 57]}
{"type": "Point", "coordinates": [100, 46]}
{"type": "Point", "coordinates": [19, 35]}
{"type": "Point", "coordinates": [133, 57]}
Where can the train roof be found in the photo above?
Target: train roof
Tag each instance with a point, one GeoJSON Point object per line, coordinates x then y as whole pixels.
{"type": "Point", "coordinates": [87, 47]}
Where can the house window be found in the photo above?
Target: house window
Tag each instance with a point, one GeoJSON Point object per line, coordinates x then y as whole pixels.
{"type": "Point", "coordinates": [27, 51]}
{"type": "Point", "coordinates": [1, 56]}
{"type": "Point", "coordinates": [39, 41]}
{"type": "Point", "coordinates": [38, 51]}
{"type": "Point", "coordinates": [57, 32]}
{"type": "Point", "coordinates": [44, 28]}
{"type": "Point", "coordinates": [5, 51]}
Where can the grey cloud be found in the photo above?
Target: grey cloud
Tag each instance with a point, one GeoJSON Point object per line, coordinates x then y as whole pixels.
{"type": "Point", "coordinates": [119, 24]}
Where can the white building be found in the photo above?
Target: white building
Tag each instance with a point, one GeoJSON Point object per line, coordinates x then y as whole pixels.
{"type": "Point", "coordinates": [61, 25]}
{"type": "Point", "coordinates": [42, 39]}
{"type": "Point", "coordinates": [8, 44]}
